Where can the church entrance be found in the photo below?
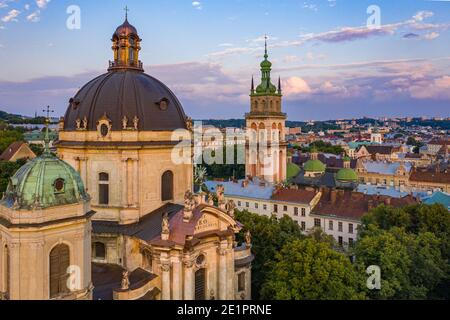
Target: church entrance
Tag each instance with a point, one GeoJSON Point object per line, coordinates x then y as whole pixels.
{"type": "Point", "coordinates": [200, 284]}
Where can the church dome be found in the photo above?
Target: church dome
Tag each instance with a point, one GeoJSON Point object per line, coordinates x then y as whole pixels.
{"type": "Point", "coordinates": [347, 175]}
{"type": "Point", "coordinates": [126, 93]}
{"type": "Point", "coordinates": [314, 166]}
{"type": "Point", "coordinates": [44, 182]}
{"type": "Point", "coordinates": [292, 170]}
{"type": "Point", "coordinates": [125, 96]}
{"type": "Point", "coordinates": [125, 30]}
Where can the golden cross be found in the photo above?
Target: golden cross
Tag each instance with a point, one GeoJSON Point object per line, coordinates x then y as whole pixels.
{"type": "Point", "coordinates": [126, 12]}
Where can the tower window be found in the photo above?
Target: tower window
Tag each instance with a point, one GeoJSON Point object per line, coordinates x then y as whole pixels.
{"type": "Point", "coordinates": [167, 186]}
{"type": "Point", "coordinates": [103, 189]}
{"type": "Point", "coordinates": [241, 282]}
{"type": "Point", "coordinates": [200, 284]}
{"type": "Point", "coordinates": [59, 263]}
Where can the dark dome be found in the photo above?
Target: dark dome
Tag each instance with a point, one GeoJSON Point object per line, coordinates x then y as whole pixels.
{"type": "Point", "coordinates": [126, 93]}
{"type": "Point", "coordinates": [125, 29]}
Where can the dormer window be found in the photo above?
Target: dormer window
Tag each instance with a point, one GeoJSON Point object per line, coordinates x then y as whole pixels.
{"type": "Point", "coordinates": [59, 185]}
{"type": "Point", "coordinates": [163, 104]}
{"type": "Point", "coordinates": [104, 130]}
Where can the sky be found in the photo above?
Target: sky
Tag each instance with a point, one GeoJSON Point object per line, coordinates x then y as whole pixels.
{"type": "Point", "coordinates": [336, 58]}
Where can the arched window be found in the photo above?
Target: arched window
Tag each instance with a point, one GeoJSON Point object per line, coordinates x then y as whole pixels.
{"type": "Point", "coordinates": [59, 263]}
{"type": "Point", "coordinates": [103, 189]}
{"type": "Point", "coordinates": [200, 284]}
{"type": "Point", "coordinates": [167, 186]}
{"type": "Point", "coordinates": [99, 251]}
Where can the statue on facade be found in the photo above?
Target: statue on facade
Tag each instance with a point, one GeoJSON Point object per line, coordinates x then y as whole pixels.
{"type": "Point", "coordinates": [248, 238]}
{"type": "Point", "coordinates": [85, 123]}
{"type": "Point", "coordinates": [124, 123]}
{"type": "Point", "coordinates": [189, 206]}
{"type": "Point", "coordinates": [221, 196]}
{"type": "Point", "coordinates": [230, 207]}
{"type": "Point", "coordinates": [125, 280]}
{"type": "Point", "coordinates": [136, 123]}
{"type": "Point", "coordinates": [189, 124]}
{"type": "Point", "coordinates": [78, 123]}
{"type": "Point", "coordinates": [165, 227]}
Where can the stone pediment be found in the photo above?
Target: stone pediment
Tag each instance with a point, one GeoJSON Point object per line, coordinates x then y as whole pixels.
{"type": "Point", "coordinates": [213, 219]}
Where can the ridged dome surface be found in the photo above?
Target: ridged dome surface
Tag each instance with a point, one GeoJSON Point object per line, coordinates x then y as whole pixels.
{"type": "Point", "coordinates": [347, 175]}
{"type": "Point", "coordinates": [44, 182]}
{"type": "Point", "coordinates": [130, 94]}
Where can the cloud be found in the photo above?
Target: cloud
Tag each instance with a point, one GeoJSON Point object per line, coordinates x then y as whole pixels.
{"type": "Point", "coordinates": [295, 86]}
{"type": "Point", "coordinates": [226, 45]}
{"type": "Point", "coordinates": [197, 5]}
{"type": "Point", "coordinates": [42, 3]}
{"type": "Point", "coordinates": [431, 36]}
{"type": "Point", "coordinates": [11, 16]}
{"type": "Point", "coordinates": [411, 35]}
{"type": "Point", "coordinates": [27, 7]}
{"type": "Point", "coordinates": [310, 6]}
{"type": "Point", "coordinates": [422, 15]}
{"type": "Point", "coordinates": [35, 16]}
{"type": "Point", "coordinates": [4, 3]}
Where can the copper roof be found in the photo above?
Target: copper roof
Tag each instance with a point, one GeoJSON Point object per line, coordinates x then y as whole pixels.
{"type": "Point", "coordinates": [353, 205]}
{"type": "Point", "coordinates": [126, 93]}
{"type": "Point", "coordinates": [125, 30]}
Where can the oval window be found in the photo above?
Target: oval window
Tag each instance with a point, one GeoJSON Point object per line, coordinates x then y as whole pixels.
{"type": "Point", "coordinates": [59, 185]}
{"type": "Point", "coordinates": [104, 130]}
{"type": "Point", "coordinates": [200, 260]}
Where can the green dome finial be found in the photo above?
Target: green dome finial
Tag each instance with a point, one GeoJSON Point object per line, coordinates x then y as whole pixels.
{"type": "Point", "coordinates": [266, 87]}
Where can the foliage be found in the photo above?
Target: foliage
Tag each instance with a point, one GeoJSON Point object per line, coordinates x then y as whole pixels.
{"type": "Point", "coordinates": [8, 137]}
{"type": "Point", "coordinates": [269, 235]}
{"type": "Point", "coordinates": [7, 170]}
{"type": "Point", "coordinates": [323, 147]}
{"type": "Point", "coordinates": [311, 270]}
{"type": "Point", "coordinates": [226, 171]}
{"type": "Point", "coordinates": [411, 246]}
{"type": "Point", "coordinates": [37, 149]}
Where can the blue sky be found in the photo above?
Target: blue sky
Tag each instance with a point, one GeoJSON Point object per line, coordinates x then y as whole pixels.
{"type": "Point", "coordinates": [331, 64]}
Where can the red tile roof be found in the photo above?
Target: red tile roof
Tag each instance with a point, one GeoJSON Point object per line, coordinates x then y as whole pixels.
{"type": "Point", "coordinates": [294, 196]}
{"type": "Point", "coordinates": [353, 205]}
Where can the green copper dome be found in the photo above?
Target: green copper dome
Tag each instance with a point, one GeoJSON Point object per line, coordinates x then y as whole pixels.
{"type": "Point", "coordinates": [347, 175]}
{"type": "Point", "coordinates": [314, 166]}
{"type": "Point", "coordinates": [44, 182]}
{"type": "Point", "coordinates": [292, 170]}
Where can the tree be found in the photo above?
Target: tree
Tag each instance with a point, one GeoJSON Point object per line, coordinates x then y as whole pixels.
{"type": "Point", "coordinates": [269, 235]}
{"type": "Point", "coordinates": [7, 170]}
{"type": "Point", "coordinates": [8, 137]}
{"type": "Point", "coordinates": [411, 246]}
{"type": "Point", "coordinates": [311, 270]}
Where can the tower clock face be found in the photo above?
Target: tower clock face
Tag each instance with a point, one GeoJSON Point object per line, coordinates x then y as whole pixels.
{"type": "Point", "coordinates": [104, 130]}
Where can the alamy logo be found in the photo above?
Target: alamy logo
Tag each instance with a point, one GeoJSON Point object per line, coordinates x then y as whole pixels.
{"type": "Point", "coordinates": [374, 20]}
{"type": "Point", "coordinates": [374, 280]}
{"type": "Point", "coordinates": [74, 20]}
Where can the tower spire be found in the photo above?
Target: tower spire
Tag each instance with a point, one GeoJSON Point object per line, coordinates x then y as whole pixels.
{"type": "Point", "coordinates": [126, 13]}
{"type": "Point", "coordinates": [279, 85]}
{"type": "Point", "coordinates": [47, 136]}
{"type": "Point", "coordinates": [253, 85]}
{"type": "Point", "coordinates": [266, 54]}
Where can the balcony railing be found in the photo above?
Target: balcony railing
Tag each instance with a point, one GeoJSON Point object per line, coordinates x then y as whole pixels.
{"type": "Point", "coordinates": [126, 65]}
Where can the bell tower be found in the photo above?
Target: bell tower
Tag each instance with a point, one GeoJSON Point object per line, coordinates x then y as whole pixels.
{"type": "Point", "coordinates": [266, 147]}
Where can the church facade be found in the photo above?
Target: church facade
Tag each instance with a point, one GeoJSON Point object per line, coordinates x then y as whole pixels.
{"type": "Point", "coordinates": [140, 234]}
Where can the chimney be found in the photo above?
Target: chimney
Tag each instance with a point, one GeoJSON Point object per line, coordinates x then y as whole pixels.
{"type": "Point", "coordinates": [333, 196]}
{"type": "Point", "coordinates": [387, 201]}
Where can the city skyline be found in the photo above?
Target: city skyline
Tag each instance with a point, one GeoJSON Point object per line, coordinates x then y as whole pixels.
{"type": "Point", "coordinates": [331, 64]}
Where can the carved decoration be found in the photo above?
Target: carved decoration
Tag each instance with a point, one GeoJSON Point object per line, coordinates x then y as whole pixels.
{"type": "Point", "coordinates": [85, 123]}
{"type": "Point", "coordinates": [189, 206]}
{"type": "Point", "coordinates": [230, 207]}
{"type": "Point", "coordinates": [189, 124]}
{"type": "Point", "coordinates": [102, 123]}
{"type": "Point", "coordinates": [124, 123]}
{"type": "Point", "coordinates": [136, 123]}
{"type": "Point", "coordinates": [211, 199]}
{"type": "Point", "coordinates": [78, 123]}
{"type": "Point", "coordinates": [125, 280]}
{"type": "Point", "coordinates": [221, 196]}
{"type": "Point", "coordinates": [248, 239]}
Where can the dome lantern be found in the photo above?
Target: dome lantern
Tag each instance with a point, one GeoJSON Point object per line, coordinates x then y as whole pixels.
{"type": "Point", "coordinates": [126, 47]}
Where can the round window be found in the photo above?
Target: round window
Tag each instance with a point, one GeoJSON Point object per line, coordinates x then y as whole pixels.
{"type": "Point", "coordinates": [104, 130]}
{"type": "Point", "coordinates": [59, 185]}
{"type": "Point", "coordinates": [200, 260]}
